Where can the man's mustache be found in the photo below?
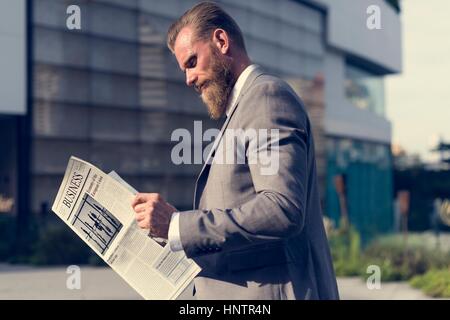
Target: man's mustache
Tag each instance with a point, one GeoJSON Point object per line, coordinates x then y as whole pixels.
{"type": "Point", "coordinates": [199, 87]}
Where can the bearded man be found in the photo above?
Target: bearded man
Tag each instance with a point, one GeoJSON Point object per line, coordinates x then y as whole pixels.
{"type": "Point", "coordinates": [256, 234]}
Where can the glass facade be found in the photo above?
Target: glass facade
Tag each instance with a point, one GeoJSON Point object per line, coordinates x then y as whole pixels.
{"type": "Point", "coordinates": [364, 90]}
{"type": "Point", "coordinates": [366, 169]}
{"type": "Point", "coordinates": [111, 94]}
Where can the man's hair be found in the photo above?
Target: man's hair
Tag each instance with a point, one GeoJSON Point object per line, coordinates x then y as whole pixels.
{"type": "Point", "coordinates": [204, 18]}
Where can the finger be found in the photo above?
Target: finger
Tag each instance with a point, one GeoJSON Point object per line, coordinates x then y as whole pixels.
{"type": "Point", "coordinates": [139, 198]}
{"type": "Point", "coordinates": [154, 196]}
{"type": "Point", "coordinates": [141, 207]}
{"type": "Point", "coordinates": [140, 216]}
{"type": "Point", "coordinates": [144, 224]}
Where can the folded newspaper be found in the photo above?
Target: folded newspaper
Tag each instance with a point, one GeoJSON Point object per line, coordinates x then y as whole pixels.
{"type": "Point", "coordinates": [97, 207]}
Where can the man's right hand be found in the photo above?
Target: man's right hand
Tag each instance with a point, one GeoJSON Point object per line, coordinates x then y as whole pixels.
{"type": "Point", "coordinates": [153, 213]}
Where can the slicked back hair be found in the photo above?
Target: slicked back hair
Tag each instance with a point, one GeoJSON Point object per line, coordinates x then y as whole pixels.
{"type": "Point", "coordinates": [204, 18]}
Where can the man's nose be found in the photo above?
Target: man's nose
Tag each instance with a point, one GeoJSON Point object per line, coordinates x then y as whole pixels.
{"type": "Point", "coordinates": [190, 78]}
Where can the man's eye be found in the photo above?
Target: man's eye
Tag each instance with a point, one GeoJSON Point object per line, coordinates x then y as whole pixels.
{"type": "Point", "coordinates": [192, 62]}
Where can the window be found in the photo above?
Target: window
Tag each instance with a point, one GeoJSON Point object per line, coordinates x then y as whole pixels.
{"type": "Point", "coordinates": [364, 90]}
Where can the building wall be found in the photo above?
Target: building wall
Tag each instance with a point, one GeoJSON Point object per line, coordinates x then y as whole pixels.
{"type": "Point", "coordinates": [347, 31]}
{"type": "Point", "coordinates": [13, 98]}
{"type": "Point", "coordinates": [8, 165]}
{"type": "Point", "coordinates": [341, 117]}
{"type": "Point", "coordinates": [358, 148]}
{"type": "Point", "coordinates": [358, 140]}
{"type": "Point", "coordinates": [13, 58]}
{"type": "Point", "coordinates": [111, 93]}
{"type": "Point", "coordinates": [367, 171]}
{"type": "Point", "coordinates": [108, 94]}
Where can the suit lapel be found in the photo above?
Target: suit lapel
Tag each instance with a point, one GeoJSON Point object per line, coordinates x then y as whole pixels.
{"type": "Point", "coordinates": [202, 177]}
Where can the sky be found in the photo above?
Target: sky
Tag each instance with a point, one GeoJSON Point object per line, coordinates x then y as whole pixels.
{"type": "Point", "coordinates": [418, 99]}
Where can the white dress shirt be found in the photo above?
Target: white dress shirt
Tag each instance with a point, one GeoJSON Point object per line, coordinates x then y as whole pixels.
{"type": "Point", "coordinates": [174, 227]}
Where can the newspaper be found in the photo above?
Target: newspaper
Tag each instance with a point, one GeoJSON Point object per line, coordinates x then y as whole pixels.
{"type": "Point", "coordinates": [97, 207]}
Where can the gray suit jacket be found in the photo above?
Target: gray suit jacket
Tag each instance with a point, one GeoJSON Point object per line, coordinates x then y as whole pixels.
{"type": "Point", "coordinates": [259, 235]}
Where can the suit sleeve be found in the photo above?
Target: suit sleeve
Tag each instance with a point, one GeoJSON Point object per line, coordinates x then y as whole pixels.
{"type": "Point", "coordinates": [278, 209]}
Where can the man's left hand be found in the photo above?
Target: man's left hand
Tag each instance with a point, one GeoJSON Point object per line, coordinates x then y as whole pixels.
{"type": "Point", "coordinates": [153, 213]}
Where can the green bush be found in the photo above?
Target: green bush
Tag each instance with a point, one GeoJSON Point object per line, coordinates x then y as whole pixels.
{"type": "Point", "coordinates": [397, 259]}
{"type": "Point", "coordinates": [14, 247]}
{"type": "Point", "coordinates": [435, 283]}
{"type": "Point", "coordinates": [45, 242]}
{"type": "Point", "coordinates": [400, 261]}
{"type": "Point", "coordinates": [425, 240]}
{"type": "Point", "coordinates": [7, 236]}
{"type": "Point", "coordinates": [345, 246]}
{"type": "Point", "coordinates": [58, 245]}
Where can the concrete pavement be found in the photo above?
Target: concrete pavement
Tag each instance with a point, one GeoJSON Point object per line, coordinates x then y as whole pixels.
{"type": "Point", "coordinates": [23, 282]}
{"type": "Point", "coordinates": [356, 289]}
{"type": "Point", "coordinates": [50, 283]}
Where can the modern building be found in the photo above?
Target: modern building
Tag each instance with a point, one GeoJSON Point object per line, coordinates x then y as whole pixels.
{"type": "Point", "coordinates": [13, 103]}
{"type": "Point", "coordinates": [357, 129]}
{"type": "Point", "coordinates": [111, 93]}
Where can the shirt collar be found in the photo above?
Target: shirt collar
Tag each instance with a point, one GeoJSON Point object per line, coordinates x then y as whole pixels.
{"type": "Point", "coordinates": [238, 86]}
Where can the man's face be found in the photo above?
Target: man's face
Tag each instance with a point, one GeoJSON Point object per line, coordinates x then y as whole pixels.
{"type": "Point", "coordinates": [206, 69]}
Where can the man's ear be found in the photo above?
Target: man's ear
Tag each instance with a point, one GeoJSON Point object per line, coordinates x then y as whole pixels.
{"type": "Point", "coordinates": [221, 40]}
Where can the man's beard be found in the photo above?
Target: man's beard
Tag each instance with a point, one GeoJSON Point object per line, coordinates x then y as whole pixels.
{"type": "Point", "coordinates": [218, 89]}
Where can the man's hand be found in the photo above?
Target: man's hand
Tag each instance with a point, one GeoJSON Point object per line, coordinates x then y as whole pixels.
{"type": "Point", "coordinates": [153, 213]}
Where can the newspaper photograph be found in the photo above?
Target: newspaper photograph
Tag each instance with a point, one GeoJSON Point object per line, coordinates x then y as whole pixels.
{"type": "Point", "coordinates": [96, 206]}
